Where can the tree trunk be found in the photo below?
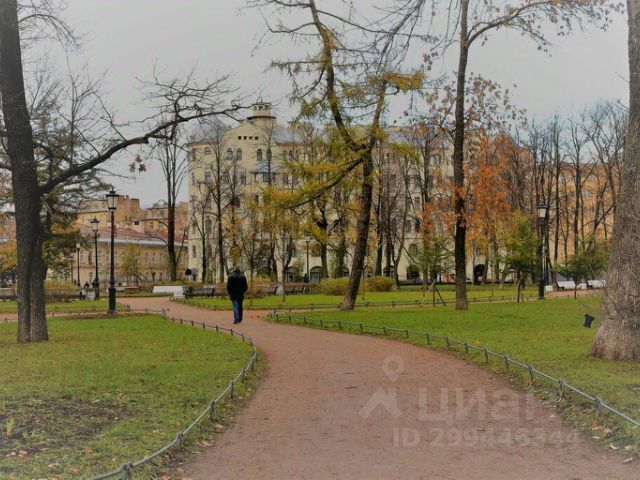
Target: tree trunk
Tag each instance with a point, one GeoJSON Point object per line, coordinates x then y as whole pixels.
{"type": "Point", "coordinates": [31, 269]}
{"type": "Point", "coordinates": [362, 233]}
{"type": "Point", "coordinates": [618, 336]}
{"type": "Point", "coordinates": [171, 239]}
{"type": "Point", "coordinates": [458, 166]}
{"type": "Point", "coordinates": [324, 272]}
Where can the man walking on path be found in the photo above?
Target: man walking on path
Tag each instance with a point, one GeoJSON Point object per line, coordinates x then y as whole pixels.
{"type": "Point", "coordinates": [236, 287]}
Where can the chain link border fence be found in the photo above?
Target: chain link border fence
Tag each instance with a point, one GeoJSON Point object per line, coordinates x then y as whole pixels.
{"type": "Point", "coordinates": [449, 342]}
{"type": "Point", "coordinates": [126, 470]}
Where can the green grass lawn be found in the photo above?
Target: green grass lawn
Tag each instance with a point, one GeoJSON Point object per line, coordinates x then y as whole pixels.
{"type": "Point", "coordinates": [404, 295]}
{"type": "Point", "coordinates": [548, 335]}
{"type": "Point", "coordinates": [103, 392]}
{"type": "Point", "coordinates": [62, 307]}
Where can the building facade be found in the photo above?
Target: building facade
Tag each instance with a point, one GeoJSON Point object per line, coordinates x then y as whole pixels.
{"type": "Point", "coordinates": [231, 173]}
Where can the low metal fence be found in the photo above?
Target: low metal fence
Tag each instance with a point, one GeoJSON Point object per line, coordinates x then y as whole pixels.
{"type": "Point", "coordinates": [127, 469]}
{"type": "Point", "coordinates": [359, 304]}
{"type": "Point", "coordinates": [450, 342]}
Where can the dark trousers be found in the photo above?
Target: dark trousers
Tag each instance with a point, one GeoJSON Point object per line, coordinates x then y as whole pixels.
{"type": "Point", "coordinates": [237, 310]}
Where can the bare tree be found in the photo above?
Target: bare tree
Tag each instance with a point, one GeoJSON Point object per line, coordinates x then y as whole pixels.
{"type": "Point", "coordinates": [176, 101]}
{"type": "Point", "coordinates": [469, 23]}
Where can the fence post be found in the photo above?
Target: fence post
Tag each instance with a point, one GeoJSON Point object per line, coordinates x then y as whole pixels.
{"type": "Point", "coordinates": [531, 374]}
{"type": "Point", "coordinates": [561, 382]}
{"type": "Point", "coordinates": [598, 402]}
{"type": "Point", "coordinates": [428, 335]}
{"type": "Point", "coordinates": [361, 328]}
{"type": "Point", "coordinates": [506, 361]}
{"type": "Point", "coordinates": [446, 339]}
{"type": "Point", "coordinates": [321, 323]}
{"type": "Point", "coordinates": [466, 350]}
{"type": "Point", "coordinates": [486, 356]}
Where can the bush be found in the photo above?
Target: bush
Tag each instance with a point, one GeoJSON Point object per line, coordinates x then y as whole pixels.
{"type": "Point", "coordinates": [54, 285]}
{"type": "Point", "coordinates": [380, 284]}
{"type": "Point", "coordinates": [334, 286]}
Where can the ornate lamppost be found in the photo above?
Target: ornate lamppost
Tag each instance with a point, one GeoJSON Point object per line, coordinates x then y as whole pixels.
{"type": "Point", "coordinates": [112, 204]}
{"type": "Point", "coordinates": [542, 215]}
{"type": "Point", "coordinates": [96, 280]}
{"type": "Point", "coordinates": [78, 264]}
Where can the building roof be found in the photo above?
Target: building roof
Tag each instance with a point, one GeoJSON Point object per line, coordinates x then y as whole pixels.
{"type": "Point", "coordinates": [128, 235]}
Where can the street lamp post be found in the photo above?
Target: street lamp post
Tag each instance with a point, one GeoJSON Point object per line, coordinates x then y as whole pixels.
{"type": "Point", "coordinates": [112, 204]}
{"type": "Point", "coordinates": [78, 262]}
{"type": "Point", "coordinates": [96, 280]}
{"type": "Point", "coordinates": [542, 215]}
{"type": "Point", "coordinates": [307, 238]}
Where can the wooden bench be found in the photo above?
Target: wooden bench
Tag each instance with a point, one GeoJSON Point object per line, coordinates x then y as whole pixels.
{"type": "Point", "coordinates": [567, 285]}
{"type": "Point", "coordinates": [177, 291]}
{"type": "Point", "coordinates": [7, 294]}
{"type": "Point", "coordinates": [205, 291]}
{"type": "Point", "coordinates": [596, 283]}
{"type": "Point", "coordinates": [295, 288]}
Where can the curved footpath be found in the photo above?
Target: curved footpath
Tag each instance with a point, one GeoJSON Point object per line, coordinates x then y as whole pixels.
{"type": "Point", "coordinates": [345, 406]}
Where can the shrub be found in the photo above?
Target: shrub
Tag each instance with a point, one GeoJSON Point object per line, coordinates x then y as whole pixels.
{"type": "Point", "coordinates": [334, 286]}
{"type": "Point", "coordinates": [380, 284]}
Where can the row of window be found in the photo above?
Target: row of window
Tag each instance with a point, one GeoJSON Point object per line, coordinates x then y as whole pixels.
{"type": "Point", "coordinates": [241, 178]}
{"type": "Point", "coordinates": [260, 153]}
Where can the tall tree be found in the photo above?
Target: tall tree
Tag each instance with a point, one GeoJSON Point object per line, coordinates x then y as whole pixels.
{"type": "Point", "coordinates": [472, 23]}
{"type": "Point", "coordinates": [348, 81]}
{"type": "Point", "coordinates": [618, 336]}
{"type": "Point", "coordinates": [29, 190]}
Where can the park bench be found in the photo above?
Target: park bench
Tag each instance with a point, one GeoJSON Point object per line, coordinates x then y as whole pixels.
{"type": "Point", "coordinates": [566, 285]}
{"type": "Point", "coordinates": [177, 291]}
{"type": "Point", "coordinates": [204, 291]}
{"type": "Point", "coordinates": [261, 290]}
{"type": "Point", "coordinates": [596, 283]}
{"type": "Point", "coordinates": [7, 294]}
{"type": "Point", "coordinates": [295, 288]}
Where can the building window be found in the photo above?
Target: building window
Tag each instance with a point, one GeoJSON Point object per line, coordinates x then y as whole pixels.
{"type": "Point", "coordinates": [259, 155]}
{"type": "Point", "coordinates": [265, 178]}
{"type": "Point", "coordinates": [239, 154]}
{"type": "Point", "coordinates": [285, 179]}
{"type": "Point", "coordinates": [229, 154]}
{"type": "Point", "coordinates": [407, 226]}
{"type": "Point", "coordinates": [207, 151]}
{"type": "Point", "coordinates": [243, 178]}
{"type": "Point", "coordinates": [193, 178]}
{"type": "Point", "coordinates": [413, 250]}
{"type": "Point", "coordinates": [193, 251]}
{"type": "Point", "coordinates": [207, 176]}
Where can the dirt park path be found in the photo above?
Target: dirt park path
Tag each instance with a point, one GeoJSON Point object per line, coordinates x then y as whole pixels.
{"type": "Point", "coordinates": [344, 406]}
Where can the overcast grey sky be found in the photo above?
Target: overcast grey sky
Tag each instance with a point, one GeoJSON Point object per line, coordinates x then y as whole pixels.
{"type": "Point", "coordinates": [125, 39]}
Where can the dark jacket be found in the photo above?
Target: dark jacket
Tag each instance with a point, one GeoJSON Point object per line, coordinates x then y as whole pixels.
{"type": "Point", "coordinates": [236, 285]}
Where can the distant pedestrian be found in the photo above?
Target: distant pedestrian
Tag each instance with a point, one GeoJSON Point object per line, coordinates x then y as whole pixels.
{"type": "Point", "coordinates": [236, 288]}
